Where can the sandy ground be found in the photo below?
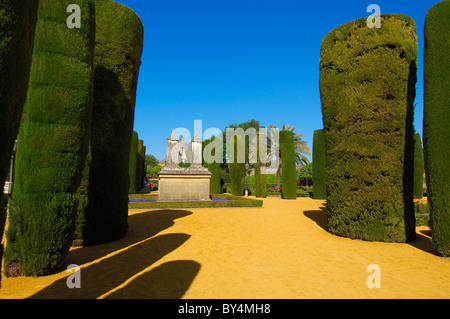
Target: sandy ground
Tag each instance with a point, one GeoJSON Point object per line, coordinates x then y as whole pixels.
{"type": "Point", "coordinates": [279, 251]}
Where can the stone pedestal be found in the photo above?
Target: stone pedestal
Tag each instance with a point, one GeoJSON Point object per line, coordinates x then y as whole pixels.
{"type": "Point", "coordinates": [184, 184]}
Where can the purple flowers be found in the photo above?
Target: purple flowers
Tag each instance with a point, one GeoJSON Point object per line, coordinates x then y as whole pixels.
{"type": "Point", "coordinates": [142, 200]}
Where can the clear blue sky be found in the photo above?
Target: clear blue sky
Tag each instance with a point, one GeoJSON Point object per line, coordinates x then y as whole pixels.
{"type": "Point", "coordinates": [229, 61]}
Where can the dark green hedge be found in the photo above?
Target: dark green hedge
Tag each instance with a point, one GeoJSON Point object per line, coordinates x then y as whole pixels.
{"type": "Point", "coordinates": [367, 86]}
{"type": "Point", "coordinates": [418, 167]}
{"type": "Point", "coordinates": [214, 169]}
{"type": "Point", "coordinates": [436, 130]}
{"type": "Point", "coordinates": [133, 162]}
{"type": "Point", "coordinates": [319, 186]}
{"type": "Point", "coordinates": [139, 166]}
{"type": "Point", "coordinates": [17, 28]}
{"type": "Point", "coordinates": [288, 165]}
{"type": "Point", "coordinates": [52, 142]}
{"type": "Point", "coordinates": [237, 170]}
{"type": "Point", "coordinates": [118, 50]}
{"type": "Point", "coordinates": [233, 201]}
{"type": "Point", "coordinates": [260, 180]}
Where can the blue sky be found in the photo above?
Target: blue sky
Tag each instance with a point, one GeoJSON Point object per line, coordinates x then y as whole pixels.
{"type": "Point", "coordinates": [229, 61]}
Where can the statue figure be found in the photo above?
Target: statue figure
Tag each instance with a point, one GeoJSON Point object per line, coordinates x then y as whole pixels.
{"type": "Point", "coordinates": [172, 142]}
{"type": "Point", "coordinates": [182, 148]}
{"type": "Point", "coordinates": [196, 160]}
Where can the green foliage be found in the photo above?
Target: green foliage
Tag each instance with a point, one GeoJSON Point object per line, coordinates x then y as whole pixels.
{"type": "Point", "coordinates": [214, 169]}
{"type": "Point", "coordinates": [319, 188]}
{"type": "Point", "coordinates": [140, 165]}
{"type": "Point", "coordinates": [288, 169]}
{"type": "Point", "coordinates": [17, 28]}
{"type": "Point", "coordinates": [133, 162]}
{"type": "Point", "coordinates": [237, 170]}
{"type": "Point", "coordinates": [233, 201]}
{"type": "Point", "coordinates": [367, 86]}
{"type": "Point", "coordinates": [119, 44]}
{"type": "Point", "coordinates": [52, 142]}
{"type": "Point", "coordinates": [418, 167]}
{"type": "Point", "coordinates": [436, 131]}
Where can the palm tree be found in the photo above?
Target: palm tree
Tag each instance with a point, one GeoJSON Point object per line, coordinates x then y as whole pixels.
{"type": "Point", "coordinates": [301, 148]}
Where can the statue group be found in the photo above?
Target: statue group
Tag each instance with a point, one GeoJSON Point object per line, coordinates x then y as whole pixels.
{"type": "Point", "coordinates": [177, 150]}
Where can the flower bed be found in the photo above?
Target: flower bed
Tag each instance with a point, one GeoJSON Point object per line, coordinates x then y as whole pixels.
{"type": "Point", "coordinates": [422, 212]}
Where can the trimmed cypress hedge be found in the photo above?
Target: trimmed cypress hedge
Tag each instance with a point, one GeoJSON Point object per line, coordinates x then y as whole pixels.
{"type": "Point", "coordinates": [140, 166]}
{"type": "Point", "coordinates": [288, 168]}
{"type": "Point", "coordinates": [118, 50]}
{"type": "Point", "coordinates": [133, 162]}
{"type": "Point", "coordinates": [214, 169]}
{"type": "Point", "coordinates": [17, 28]}
{"type": "Point", "coordinates": [367, 86]}
{"type": "Point", "coordinates": [237, 170]}
{"type": "Point", "coordinates": [260, 180]}
{"type": "Point", "coordinates": [418, 167]}
{"type": "Point", "coordinates": [319, 185]}
{"type": "Point", "coordinates": [52, 142]}
{"type": "Point", "coordinates": [436, 130]}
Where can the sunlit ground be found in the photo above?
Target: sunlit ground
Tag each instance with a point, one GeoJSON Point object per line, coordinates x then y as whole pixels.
{"type": "Point", "coordinates": [279, 251]}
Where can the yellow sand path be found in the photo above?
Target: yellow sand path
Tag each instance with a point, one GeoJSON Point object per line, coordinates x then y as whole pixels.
{"type": "Point", "coordinates": [279, 251]}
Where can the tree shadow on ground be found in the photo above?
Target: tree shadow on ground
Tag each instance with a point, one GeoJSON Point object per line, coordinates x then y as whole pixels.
{"type": "Point", "coordinates": [140, 227]}
{"type": "Point", "coordinates": [129, 257]}
{"type": "Point", "coordinates": [167, 281]}
{"type": "Point", "coordinates": [423, 242]}
{"type": "Point", "coordinates": [319, 216]}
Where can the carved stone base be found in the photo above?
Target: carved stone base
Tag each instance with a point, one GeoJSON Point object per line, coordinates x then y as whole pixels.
{"type": "Point", "coordinates": [179, 184]}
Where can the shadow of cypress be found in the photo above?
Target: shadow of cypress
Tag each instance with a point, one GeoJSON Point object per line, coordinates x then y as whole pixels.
{"type": "Point", "coordinates": [107, 274]}
{"type": "Point", "coordinates": [141, 226]}
{"type": "Point", "coordinates": [170, 280]}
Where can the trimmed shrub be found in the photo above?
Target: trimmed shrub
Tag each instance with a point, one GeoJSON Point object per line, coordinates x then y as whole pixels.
{"type": "Point", "coordinates": [230, 201]}
{"type": "Point", "coordinates": [118, 50]}
{"type": "Point", "coordinates": [319, 186]}
{"type": "Point", "coordinates": [17, 28]}
{"type": "Point", "coordinates": [133, 162]}
{"type": "Point", "coordinates": [237, 170]}
{"type": "Point", "coordinates": [367, 86]}
{"type": "Point", "coordinates": [259, 179]}
{"type": "Point", "coordinates": [288, 168]}
{"type": "Point", "coordinates": [436, 131]}
{"type": "Point", "coordinates": [418, 167]}
{"type": "Point", "coordinates": [140, 166]}
{"type": "Point", "coordinates": [214, 169]}
{"type": "Point", "coordinates": [52, 142]}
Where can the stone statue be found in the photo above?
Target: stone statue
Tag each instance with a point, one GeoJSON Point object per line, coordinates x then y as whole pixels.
{"type": "Point", "coordinates": [182, 148]}
{"type": "Point", "coordinates": [196, 160]}
{"type": "Point", "coordinates": [172, 147]}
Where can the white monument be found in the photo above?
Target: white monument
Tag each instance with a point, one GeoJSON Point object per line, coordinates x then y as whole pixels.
{"type": "Point", "coordinates": [179, 183]}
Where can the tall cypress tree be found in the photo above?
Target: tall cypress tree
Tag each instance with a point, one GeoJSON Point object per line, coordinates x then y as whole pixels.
{"type": "Point", "coordinates": [237, 169]}
{"type": "Point", "coordinates": [288, 162]}
{"type": "Point", "coordinates": [367, 86]}
{"type": "Point", "coordinates": [52, 142]}
{"type": "Point", "coordinates": [118, 50]}
{"type": "Point", "coordinates": [17, 28]}
{"type": "Point", "coordinates": [418, 167]}
{"type": "Point", "coordinates": [436, 130]}
{"type": "Point", "coordinates": [319, 186]}
{"type": "Point", "coordinates": [133, 161]}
